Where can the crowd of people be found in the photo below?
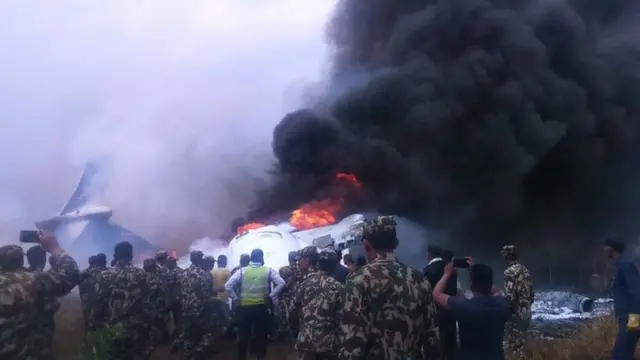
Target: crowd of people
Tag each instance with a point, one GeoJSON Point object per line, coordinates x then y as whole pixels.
{"type": "Point", "coordinates": [374, 308]}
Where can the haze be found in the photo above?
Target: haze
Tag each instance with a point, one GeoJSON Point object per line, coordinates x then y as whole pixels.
{"type": "Point", "coordinates": [183, 96]}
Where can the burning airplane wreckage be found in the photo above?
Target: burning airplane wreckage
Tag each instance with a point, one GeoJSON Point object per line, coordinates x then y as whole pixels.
{"type": "Point", "coordinates": [314, 223]}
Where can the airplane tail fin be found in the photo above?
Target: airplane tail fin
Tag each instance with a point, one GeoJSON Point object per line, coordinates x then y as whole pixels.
{"type": "Point", "coordinates": [91, 187]}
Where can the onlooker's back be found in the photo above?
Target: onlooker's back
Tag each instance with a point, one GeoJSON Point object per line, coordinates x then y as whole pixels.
{"type": "Point", "coordinates": [124, 293]}
{"type": "Point", "coordinates": [388, 310]}
{"type": "Point", "coordinates": [482, 314]}
{"type": "Point", "coordinates": [481, 319]}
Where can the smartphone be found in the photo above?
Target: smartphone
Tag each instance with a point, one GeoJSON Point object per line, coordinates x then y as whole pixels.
{"type": "Point", "coordinates": [460, 263]}
{"type": "Point", "coordinates": [29, 237]}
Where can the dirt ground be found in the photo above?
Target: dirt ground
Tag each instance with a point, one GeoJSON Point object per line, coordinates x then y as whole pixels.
{"type": "Point", "coordinates": [69, 334]}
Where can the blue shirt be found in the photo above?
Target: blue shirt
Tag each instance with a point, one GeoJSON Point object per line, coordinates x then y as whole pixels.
{"type": "Point", "coordinates": [481, 322]}
{"type": "Point", "coordinates": [625, 288]}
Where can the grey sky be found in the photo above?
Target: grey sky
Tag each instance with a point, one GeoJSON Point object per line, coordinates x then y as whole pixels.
{"type": "Point", "coordinates": [183, 94]}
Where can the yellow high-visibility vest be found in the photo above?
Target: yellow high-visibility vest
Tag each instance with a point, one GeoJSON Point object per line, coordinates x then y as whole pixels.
{"type": "Point", "coordinates": [255, 287]}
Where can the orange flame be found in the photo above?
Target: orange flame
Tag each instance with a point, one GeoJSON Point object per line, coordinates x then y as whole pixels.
{"type": "Point", "coordinates": [323, 212]}
{"type": "Point", "coordinates": [316, 213]}
{"type": "Point", "coordinates": [249, 226]}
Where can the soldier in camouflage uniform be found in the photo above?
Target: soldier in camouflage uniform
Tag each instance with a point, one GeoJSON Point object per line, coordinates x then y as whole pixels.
{"type": "Point", "coordinates": [87, 289]}
{"type": "Point", "coordinates": [174, 293]}
{"type": "Point", "coordinates": [23, 292]}
{"type": "Point", "coordinates": [123, 306]}
{"type": "Point", "coordinates": [285, 303]}
{"type": "Point", "coordinates": [196, 333]}
{"type": "Point", "coordinates": [388, 311]}
{"type": "Point", "coordinates": [46, 327]}
{"type": "Point", "coordinates": [159, 296]}
{"type": "Point", "coordinates": [318, 300]}
{"type": "Point", "coordinates": [170, 280]}
{"type": "Point", "coordinates": [518, 289]}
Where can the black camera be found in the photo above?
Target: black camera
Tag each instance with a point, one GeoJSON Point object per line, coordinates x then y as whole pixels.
{"type": "Point", "coordinates": [462, 263]}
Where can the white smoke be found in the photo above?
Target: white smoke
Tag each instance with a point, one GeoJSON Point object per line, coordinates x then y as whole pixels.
{"type": "Point", "coordinates": [183, 97]}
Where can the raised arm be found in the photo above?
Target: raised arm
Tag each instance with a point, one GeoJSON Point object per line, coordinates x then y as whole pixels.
{"type": "Point", "coordinates": [59, 282]}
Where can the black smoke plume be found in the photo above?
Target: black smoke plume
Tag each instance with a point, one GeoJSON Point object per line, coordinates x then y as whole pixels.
{"type": "Point", "coordinates": [499, 121]}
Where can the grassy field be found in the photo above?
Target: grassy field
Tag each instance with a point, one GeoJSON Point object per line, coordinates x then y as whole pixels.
{"type": "Point", "coordinates": [593, 341]}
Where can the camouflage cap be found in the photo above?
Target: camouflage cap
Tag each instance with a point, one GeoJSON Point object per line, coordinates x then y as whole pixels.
{"type": "Point", "coordinates": [286, 272]}
{"type": "Point", "coordinates": [11, 251]}
{"type": "Point", "coordinates": [328, 255]}
{"type": "Point", "coordinates": [10, 254]}
{"type": "Point", "coordinates": [508, 250]}
{"type": "Point", "coordinates": [308, 251]}
{"type": "Point", "coordinates": [379, 225]}
{"type": "Point", "coordinates": [294, 256]}
{"type": "Point", "coordinates": [196, 255]}
{"type": "Point", "coordinates": [149, 263]}
{"type": "Point", "coordinates": [162, 255]}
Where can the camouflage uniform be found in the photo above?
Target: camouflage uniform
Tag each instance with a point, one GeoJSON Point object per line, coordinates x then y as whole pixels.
{"type": "Point", "coordinates": [124, 308]}
{"type": "Point", "coordinates": [174, 293]}
{"type": "Point", "coordinates": [519, 293]}
{"type": "Point", "coordinates": [156, 278]}
{"type": "Point", "coordinates": [196, 333]}
{"type": "Point", "coordinates": [318, 300]}
{"type": "Point", "coordinates": [21, 295]}
{"type": "Point", "coordinates": [87, 289]}
{"type": "Point", "coordinates": [46, 327]}
{"type": "Point", "coordinates": [285, 303]}
{"type": "Point", "coordinates": [388, 312]}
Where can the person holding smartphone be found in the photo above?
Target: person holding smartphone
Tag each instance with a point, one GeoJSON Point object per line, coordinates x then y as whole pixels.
{"type": "Point", "coordinates": [481, 319]}
{"type": "Point", "coordinates": [24, 292]}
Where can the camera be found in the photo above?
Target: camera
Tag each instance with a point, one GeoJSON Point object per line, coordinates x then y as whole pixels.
{"type": "Point", "coordinates": [462, 263]}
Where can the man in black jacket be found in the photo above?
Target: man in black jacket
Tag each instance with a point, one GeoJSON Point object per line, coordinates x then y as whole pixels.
{"type": "Point", "coordinates": [433, 272]}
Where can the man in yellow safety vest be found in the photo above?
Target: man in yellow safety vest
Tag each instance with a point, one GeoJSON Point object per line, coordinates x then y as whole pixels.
{"type": "Point", "coordinates": [255, 295]}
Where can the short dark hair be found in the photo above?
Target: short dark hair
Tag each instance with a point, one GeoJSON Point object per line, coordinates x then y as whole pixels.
{"type": "Point", "coordinates": [481, 278]}
{"type": "Point", "coordinates": [616, 243]}
{"type": "Point", "coordinates": [245, 259]}
{"type": "Point", "coordinates": [92, 260]}
{"type": "Point", "coordinates": [101, 260]}
{"type": "Point", "coordinates": [348, 259]}
{"type": "Point", "coordinates": [222, 261]}
{"type": "Point", "coordinates": [37, 256]}
{"type": "Point", "coordinates": [123, 251]}
{"type": "Point", "coordinates": [447, 256]}
{"type": "Point", "coordinates": [383, 241]}
{"type": "Point", "coordinates": [196, 257]}
{"type": "Point", "coordinates": [257, 256]}
{"type": "Point", "coordinates": [435, 251]}
{"type": "Point", "coordinates": [328, 265]}
{"type": "Point", "coordinates": [208, 263]}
